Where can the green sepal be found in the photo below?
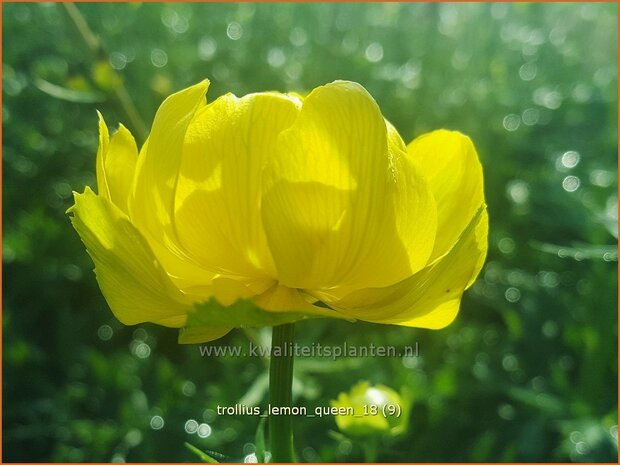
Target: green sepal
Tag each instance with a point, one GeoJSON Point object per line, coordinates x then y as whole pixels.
{"type": "Point", "coordinates": [211, 320]}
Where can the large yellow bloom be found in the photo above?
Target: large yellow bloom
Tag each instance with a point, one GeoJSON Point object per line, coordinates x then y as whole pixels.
{"type": "Point", "coordinates": [304, 206]}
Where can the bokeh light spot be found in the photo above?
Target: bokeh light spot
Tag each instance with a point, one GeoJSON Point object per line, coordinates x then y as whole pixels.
{"type": "Point", "coordinates": [511, 122]}
{"type": "Point", "coordinates": [374, 52]}
{"type": "Point", "coordinates": [191, 426]}
{"type": "Point", "coordinates": [157, 422]}
{"type": "Point", "coordinates": [234, 31]}
{"type": "Point", "coordinates": [571, 183]}
{"type": "Point", "coordinates": [159, 58]}
{"type": "Point", "coordinates": [512, 294]}
{"type": "Point", "coordinates": [105, 332]}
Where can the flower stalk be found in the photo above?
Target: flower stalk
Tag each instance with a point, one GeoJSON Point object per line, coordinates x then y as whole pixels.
{"type": "Point", "coordinates": [280, 393]}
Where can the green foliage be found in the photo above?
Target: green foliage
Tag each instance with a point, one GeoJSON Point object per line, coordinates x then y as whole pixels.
{"type": "Point", "coordinates": [210, 316]}
{"type": "Point", "coordinates": [259, 441]}
{"type": "Point", "coordinates": [528, 371]}
{"type": "Point", "coordinates": [203, 456]}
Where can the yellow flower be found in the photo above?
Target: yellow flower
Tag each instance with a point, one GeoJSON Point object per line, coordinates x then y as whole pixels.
{"type": "Point", "coordinates": [375, 410]}
{"type": "Point", "coordinates": [305, 206]}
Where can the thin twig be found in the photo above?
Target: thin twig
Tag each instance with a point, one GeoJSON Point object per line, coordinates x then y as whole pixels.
{"type": "Point", "coordinates": [79, 21]}
{"type": "Point", "coordinates": [95, 47]}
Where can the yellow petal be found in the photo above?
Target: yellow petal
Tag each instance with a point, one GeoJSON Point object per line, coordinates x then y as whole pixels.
{"type": "Point", "coordinates": [104, 142]}
{"type": "Point", "coordinates": [218, 216]}
{"type": "Point", "coordinates": [343, 206]}
{"type": "Point", "coordinates": [443, 314]}
{"type": "Point", "coordinates": [449, 161]}
{"type": "Point", "coordinates": [120, 166]}
{"type": "Point", "coordinates": [131, 279]}
{"type": "Point", "coordinates": [431, 297]}
{"type": "Point", "coordinates": [184, 272]}
{"type": "Point", "coordinates": [284, 299]}
{"type": "Point", "coordinates": [151, 205]}
{"type": "Point", "coordinates": [116, 164]}
{"type": "Point", "coordinates": [229, 290]}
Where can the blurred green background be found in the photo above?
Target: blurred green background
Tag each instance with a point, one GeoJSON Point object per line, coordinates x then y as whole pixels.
{"type": "Point", "coordinates": [527, 372]}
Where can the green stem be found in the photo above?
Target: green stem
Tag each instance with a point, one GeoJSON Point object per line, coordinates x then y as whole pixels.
{"type": "Point", "coordinates": [371, 449]}
{"type": "Point", "coordinates": [280, 393]}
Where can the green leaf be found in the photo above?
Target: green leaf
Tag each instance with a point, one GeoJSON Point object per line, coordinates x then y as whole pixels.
{"type": "Point", "coordinates": [200, 454]}
{"type": "Point", "coordinates": [212, 317]}
{"type": "Point", "coordinates": [260, 441]}
{"type": "Point", "coordinates": [541, 402]}
{"type": "Point", "coordinates": [242, 313]}
{"type": "Point", "coordinates": [70, 95]}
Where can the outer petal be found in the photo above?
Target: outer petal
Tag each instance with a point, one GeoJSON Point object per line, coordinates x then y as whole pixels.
{"type": "Point", "coordinates": [104, 142]}
{"type": "Point", "coordinates": [451, 165]}
{"type": "Point", "coordinates": [131, 279]}
{"type": "Point", "coordinates": [268, 296]}
{"type": "Point", "coordinates": [217, 199]}
{"type": "Point", "coordinates": [116, 164]}
{"type": "Point", "coordinates": [343, 206]}
{"type": "Point", "coordinates": [431, 297]}
{"type": "Point", "coordinates": [151, 206]}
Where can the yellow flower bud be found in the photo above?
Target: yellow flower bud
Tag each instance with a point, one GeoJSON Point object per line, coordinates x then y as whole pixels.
{"type": "Point", "coordinates": [377, 410]}
{"type": "Point", "coordinates": [304, 206]}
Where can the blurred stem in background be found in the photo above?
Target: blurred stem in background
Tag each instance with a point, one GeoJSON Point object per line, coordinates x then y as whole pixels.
{"type": "Point", "coordinates": [370, 447]}
{"type": "Point", "coordinates": [280, 393]}
{"type": "Point", "coordinates": [97, 52]}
